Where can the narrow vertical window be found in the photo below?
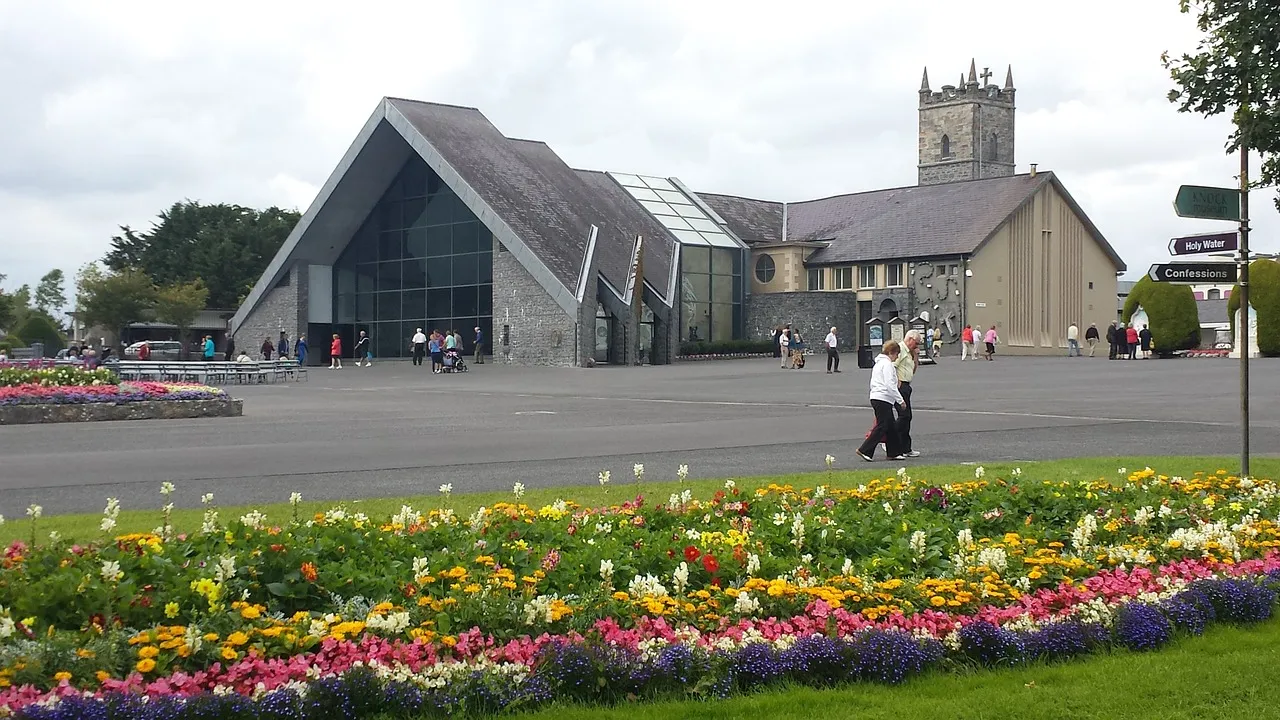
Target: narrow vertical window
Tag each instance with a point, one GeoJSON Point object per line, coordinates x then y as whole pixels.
{"type": "Point", "coordinates": [946, 146]}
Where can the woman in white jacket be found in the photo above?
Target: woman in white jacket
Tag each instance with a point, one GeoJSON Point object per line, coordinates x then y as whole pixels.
{"type": "Point", "coordinates": [884, 397]}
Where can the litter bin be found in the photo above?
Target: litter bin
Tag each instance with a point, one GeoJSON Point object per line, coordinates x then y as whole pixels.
{"type": "Point", "coordinates": [866, 357]}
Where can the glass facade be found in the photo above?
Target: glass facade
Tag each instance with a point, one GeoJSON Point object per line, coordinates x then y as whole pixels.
{"type": "Point", "coordinates": [711, 263]}
{"type": "Point", "coordinates": [421, 259]}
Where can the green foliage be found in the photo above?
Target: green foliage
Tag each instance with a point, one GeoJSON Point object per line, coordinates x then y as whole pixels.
{"type": "Point", "coordinates": [113, 299]}
{"type": "Point", "coordinates": [180, 303]}
{"type": "Point", "coordinates": [1264, 296]}
{"type": "Point", "coordinates": [38, 329]}
{"type": "Point", "coordinates": [1174, 320]}
{"type": "Point", "coordinates": [226, 246]}
{"type": "Point", "coordinates": [51, 294]}
{"type": "Point", "coordinates": [1236, 69]}
{"type": "Point", "coordinates": [725, 347]}
{"type": "Point", "coordinates": [63, 376]}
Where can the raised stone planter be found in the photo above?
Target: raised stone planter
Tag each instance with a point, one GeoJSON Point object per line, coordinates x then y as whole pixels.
{"type": "Point", "coordinates": [723, 356]}
{"type": "Point", "coordinates": [143, 410]}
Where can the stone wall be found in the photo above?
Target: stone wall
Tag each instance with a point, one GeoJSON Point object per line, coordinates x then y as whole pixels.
{"type": "Point", "coordinates": [941, 293]}
{"type": "Point", "coordinates": [539, 331]}
{"type": "Point", "coordinates": [812, 313]}
{"type": "Point", "coordinates": [282, 308]}
{"type": "Point", "coordinates": [143, 410]}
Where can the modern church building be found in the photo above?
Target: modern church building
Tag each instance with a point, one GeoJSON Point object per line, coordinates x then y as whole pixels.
{"type": "Point", "coordinates": [434, 219]}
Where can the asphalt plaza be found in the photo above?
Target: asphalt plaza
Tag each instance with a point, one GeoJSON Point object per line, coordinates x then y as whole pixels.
{"type": "Point", "coordinates": [395, 429]}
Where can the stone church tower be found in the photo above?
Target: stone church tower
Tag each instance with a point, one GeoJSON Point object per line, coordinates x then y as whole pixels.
{"type": "Point", "coordinates": [966, 131]}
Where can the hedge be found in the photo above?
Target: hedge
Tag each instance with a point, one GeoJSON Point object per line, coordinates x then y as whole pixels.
{"type": "Point", "coordinates": [726, 347]}
{"type": "Point", "coordinates": [1171, 312]}
{"type": "Point", "coordinates": [1264, 296]}
{"type": "Point", "coordinates": [38, 329]}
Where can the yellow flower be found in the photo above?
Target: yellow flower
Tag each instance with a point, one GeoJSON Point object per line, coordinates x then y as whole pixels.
{"type": "Point", "coordinates": [102, 676]}
{"type": "Point", "coordinates": [171, 610]}
{"type": "Point", "coordinates": [85, 653]}
{"type": "Point", "coordinates": [62, 675]}
{"type": "Point", "coordinates": [237, 638]}
{"type": "Point", "coordinates": [229, 654]}
{"type": "Point", "coordinates": [250, 612]}
{"type": "Point", "coordinates": [210, 637]}
{"type": "Point", "coordinates": [146, 666]}
{"type": "Point", "coordinates": [148, 651]}
{"type": "Point", "coordinates": [937, 601]}
{"type": "Point", "coordinates": [449, 640]}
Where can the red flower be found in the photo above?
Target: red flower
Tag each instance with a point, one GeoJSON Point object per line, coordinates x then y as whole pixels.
{"type": "Point", "coordinates": [710, 563]}
{"type": "Point", "coordinates": [308, 571]}
{"type": "Point", "coordinates": [691, 553]}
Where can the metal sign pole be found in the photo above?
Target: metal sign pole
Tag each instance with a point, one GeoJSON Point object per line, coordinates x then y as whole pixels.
{"type": "Point", "coordinates": [1244, 311]}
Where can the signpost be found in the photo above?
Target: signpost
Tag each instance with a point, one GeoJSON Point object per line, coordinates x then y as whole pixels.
{"type": "Point", "coordinates": [1204, 243]}
{"type": "Point", "coordinates": [1209, 203]}
{"type": "Point", "coordinates": [1195, 273]}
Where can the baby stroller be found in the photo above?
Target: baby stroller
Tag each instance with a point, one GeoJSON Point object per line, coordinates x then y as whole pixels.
{"type": "Point", "coordinates": [453, 361]}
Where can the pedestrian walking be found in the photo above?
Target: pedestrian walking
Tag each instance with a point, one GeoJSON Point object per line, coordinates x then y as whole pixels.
{"type": "Point", "coordinates": [267, 348]}
{"type": "Point", "coordinates": [885, 396]}
{"type": "Point", "coordinates": [335, 353]}
{"type": "Point", "coordinates": [784, 345]}
{"type": "Point", "coordinates": [1091, 337]}
{"type": "Point", "coordinates": [966, 343]}
{"type": "Point", "coordinates": [1073, 340]}
{"type": "Point", "coordinates": [991, 340]}
{"type": "Point", "coordinates": [364, 349]}
{"type": "Point", "coordinates": [905, 366]}
{"type": "Point", "coordinates": [230, 354]}
{"type": "Point", "coordinates": [209, 351]}
{"type": "Point", "coordinates": [418, 343]}
{"type": "Point", "coordinates": [833, 352]}
{"type": "Point", "coordinates": [479, 346]}
{"type": "Point", "coordinates": [300, 349]}
{"type": "Point", "coordinates": [282, 347]}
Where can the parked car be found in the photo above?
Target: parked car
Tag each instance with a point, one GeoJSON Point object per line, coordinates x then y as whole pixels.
{"type": "Point", "coordinates": [160, 350]}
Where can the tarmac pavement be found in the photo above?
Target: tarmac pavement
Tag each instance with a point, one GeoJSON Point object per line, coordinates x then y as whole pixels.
{"type": "Point", "coordinates": [395, 429]}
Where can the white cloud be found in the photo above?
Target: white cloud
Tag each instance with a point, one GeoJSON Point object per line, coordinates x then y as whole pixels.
{"type": "Point", "coordinates": [139, 105]}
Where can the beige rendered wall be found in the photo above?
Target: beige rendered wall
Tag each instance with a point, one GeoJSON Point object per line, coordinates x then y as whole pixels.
{"type": "Point", "coordinates": [789, 274]}
{"type": "Point", "coordinates": [1032, 279]}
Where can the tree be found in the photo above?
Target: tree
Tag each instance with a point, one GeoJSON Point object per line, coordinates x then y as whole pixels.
{"type": "Point", "coordinates": [1236, 68]}
{"type": "Point", "coordinates": [1171, 313]}
{"type": "Point", "coordinates": [39, 329]}
{"type": "Point", "coordinates": [6, 307]}
{"type": "Point", "coordinates": [51, 294]}
{"type": "Point", "coordinates": [113, 299]}
{"type": "Point", "coordinates": [226, 246]}
{"type": "Point", "coordinates": [179, 304]}
{"type": "Point", "coordinates": [1264, 296]}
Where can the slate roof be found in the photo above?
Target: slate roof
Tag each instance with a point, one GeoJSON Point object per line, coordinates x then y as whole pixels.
{"type": "Point", "coordinates": [753, 221]}
{"type": "Point", "coordinates": [899, 223]}
{"type": "Point", "coordinates": [531, 197]}
{"type": "Point", "coordinates": [549, 205]}
{"type": "Point", "coordinates": [1212, 312]}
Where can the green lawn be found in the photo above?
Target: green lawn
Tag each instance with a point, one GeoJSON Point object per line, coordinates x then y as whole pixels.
{"type": "Point", "coordinates": [1228, 673]}
{"type": "Point", "coordinates": [623, 487]}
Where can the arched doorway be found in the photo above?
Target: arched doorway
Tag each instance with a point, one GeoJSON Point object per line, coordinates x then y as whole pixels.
{"type": "Point", "coordinates": [888, 310]}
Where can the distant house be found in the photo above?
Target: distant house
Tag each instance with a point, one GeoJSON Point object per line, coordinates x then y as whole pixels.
{"type": "Point", "coordinates": [1215, 325]}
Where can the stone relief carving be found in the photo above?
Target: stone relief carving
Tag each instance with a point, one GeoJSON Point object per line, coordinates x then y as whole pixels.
{"type": "Point", "coordinates": [938, 292]}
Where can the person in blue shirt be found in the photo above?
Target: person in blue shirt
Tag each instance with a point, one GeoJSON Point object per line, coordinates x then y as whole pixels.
{"type": "Point", "coordinates": [479, 346]}
{"type": "Point", "coordinates": [208, 348]}
{"type": "Point", "coordinates": [282, 347]}
{"type": "Point", "coordinates": [300, 349]}
{"type": "Point", "coordinates": [437, 354]}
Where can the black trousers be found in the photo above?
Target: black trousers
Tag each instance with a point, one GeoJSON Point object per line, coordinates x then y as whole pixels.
{"type": "Point", "coordinates": [904, 418]}
{"type": "Point", "coordinates": [1114, 348]}
{"type": "Point", "coordinates": [885, 430]}
{"type": "Point", "coordinates": [418, 352]}
{"type": "Point", "coordinates": [833, 358]}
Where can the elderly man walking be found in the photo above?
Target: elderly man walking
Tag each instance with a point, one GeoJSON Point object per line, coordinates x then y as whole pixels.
{"type": "Point", "coordinates": [1073, 340]}
{"type": "Point", "coordinates": [833, 352]}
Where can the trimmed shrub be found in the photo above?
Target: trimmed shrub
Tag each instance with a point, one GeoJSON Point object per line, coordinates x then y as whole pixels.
{"type": "Point", "coordinates": [1264, 296]}
{"type": "Point", "coordinates": [1171, 309]}
{"type": "Point", "coordinates": [38, 329]}
{"type": "Point", "coordinates": [726, 347]}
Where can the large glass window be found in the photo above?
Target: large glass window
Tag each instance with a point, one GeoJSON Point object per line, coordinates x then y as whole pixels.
{"type": "Point", "coordinates": [421, 259]}
{"type": "Point", "coordinates": [843, 278]}
{"type": "Point", "coordinates": [866, 277]}
{"type": "Point", "coordinates": [895, 275]}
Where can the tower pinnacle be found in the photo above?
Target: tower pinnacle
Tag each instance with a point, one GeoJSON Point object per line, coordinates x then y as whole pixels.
{"type": "Point", "coordinates": [924, 82]}
{"type": "Point", "coordinates": [973, 70]}
{"type": "Point", "coordinates": [1008, 79]}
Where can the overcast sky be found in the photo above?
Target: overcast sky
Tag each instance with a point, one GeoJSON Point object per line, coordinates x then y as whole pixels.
{"type": "Point", "coordinates": [113, 111]}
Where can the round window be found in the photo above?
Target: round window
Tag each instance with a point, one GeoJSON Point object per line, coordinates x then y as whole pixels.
{"type": "Point", "coordinates": [765, 268]}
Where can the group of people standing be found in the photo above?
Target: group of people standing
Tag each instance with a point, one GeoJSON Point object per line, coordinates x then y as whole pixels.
{"type": "Point", "coordinates": [280, 348]}
{"type": "Point", "coordinates": [891, 377]}
{"type": "Point", "coordinates": [1128, 342]}
{"type": "Point", "coordinates": [439, 345]}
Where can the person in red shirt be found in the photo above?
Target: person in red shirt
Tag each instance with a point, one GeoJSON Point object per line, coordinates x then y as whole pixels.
{"type": "Point", "coordinates": [1131, 334]}
{"type": "Point", "coordinates": [144, 352]}
{"type": "Point", "coordinates": [967, 347]}
{"type": "Point", "coordinates": [335, 353]}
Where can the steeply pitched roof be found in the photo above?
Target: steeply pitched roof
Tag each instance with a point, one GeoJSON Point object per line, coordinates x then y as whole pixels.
{"type": "Point", "coordinates": [1212, 312]}
{"type": "Point", "coordinates": [753, 221]}
{"type": "Point", "coordinates": [629, 219]}
{"type": "Point", "coordinates": [525, 190]}
{"type": "Point", "coordinates": [928, 220]}
{"type": "Point", "coordinates": [899, 223]}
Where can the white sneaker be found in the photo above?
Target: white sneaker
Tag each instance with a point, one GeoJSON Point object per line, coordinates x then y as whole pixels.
{"type": "Point", "coordinates": [914, 453]}
{"type": "Point", "coordinates": [859, 454]}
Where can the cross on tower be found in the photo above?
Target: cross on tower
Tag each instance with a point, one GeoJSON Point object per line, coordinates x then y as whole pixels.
{"type": "Point", "coordinates": [986, 75]}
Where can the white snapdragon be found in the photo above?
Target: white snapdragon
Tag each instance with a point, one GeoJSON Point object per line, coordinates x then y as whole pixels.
{"type": "Point", "coordinates": [979, 472]}
{"type": "Point", "coordinates": [109, 515]}
{"type": "Point", "coordinates": [111, 571]}
{"type": "Point", "coordinates": [847, 568]}
{"type": "Point", "coordinates": [680, 578]}
{"type": "Point", "coordinates": [407, 517]}
{"type": "Point", "coordinates": [682, 473]}
{"type": "Point", "coordinates": [642, 585]}
{"type": "Point", "coordinates": [34, 512]}
{"type": "Point", "coordinates": [638, 471]}
{"type": "Point", "coordinates": [391, 623]}
{"type": "Point", "coordinates": [1144, 515]}
{"type": "Point", "coordinates": [753, 564]}
{"type": "Point", "coordinates": [606, 571]}
{"type": "Point", "coordinates": [887, 508]}
{"type": "Point", "coordinates": [446, 489]}
{"type": "Point", "coordinates": [1082, 536]}
{"type": "Point", "coordinates": [255, 519]}
{"type": "Point", "coordinates": [421, 567]}
{"type": "Point", "coordinates": [919, 543]}
{"type": "Point", "coordinates": [995, 558]}
{"type": "Point", "coordinates": [745, 604]}
{"type": "Point", "coordinates": [226, 568]}
{"type": "Point", "coordinates": [295, 498]}
{"type": "Point", "coordinates": [831, 462]}
{"type": "Point", "coordinates": [729, 485]}
{"type": "Point", "coordinates": [604, 478]}
{"type": "Point", "coordinates": [166, 488]}
{"type": "Point", "coordinates": [518, 490]}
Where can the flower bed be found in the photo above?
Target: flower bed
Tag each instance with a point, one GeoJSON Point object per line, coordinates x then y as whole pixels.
{"type": "Point", "coordinates": [133, 391]}
{"type": "Point", "coordinates": [62, 376]}
{"type": "Point", "coordinates": [431, 613]}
